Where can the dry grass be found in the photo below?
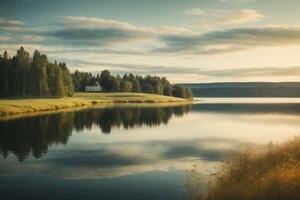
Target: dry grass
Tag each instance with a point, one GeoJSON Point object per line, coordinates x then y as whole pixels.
{"type": "Point", "coordinates": [271, 174]}
{"type": "Point", "coordinates": [12, 106]}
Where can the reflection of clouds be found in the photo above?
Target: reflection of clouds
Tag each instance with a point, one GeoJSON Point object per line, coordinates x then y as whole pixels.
{"type": "Point", "coordinates": [119, 159]}
{"type": "Point", "coordinates": [249, 108]}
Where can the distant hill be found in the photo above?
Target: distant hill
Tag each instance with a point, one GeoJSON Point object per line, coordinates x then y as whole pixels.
{"type": "Point", "coordinates": [245, 89]}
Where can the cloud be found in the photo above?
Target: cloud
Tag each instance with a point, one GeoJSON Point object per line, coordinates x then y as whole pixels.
{"type": "Point", "coordinates": [97, 31]}
{"type": "Point", "coordinates": [11, 25]}
{"type": "Point", "coordinates": [231, 40]}
{"type": "Point", "coordinates": [293, 71]}
{"type": "Point", "coordinates": [257, 72]}
{"type": "Point", "coordinates": [215, 18]}
{"type": "Point", "coordinates": [4, 39]}
{"type": "Point", "coordinates": [17, 32]}
{"type": "Point", "coordinates": [112, 37]}
{"type": "Point", "coordinates": [17, 40]}
{"type": "Point", "coordinates": [142, 69]}
{"type": "Point", "coordinates": [16, 27]}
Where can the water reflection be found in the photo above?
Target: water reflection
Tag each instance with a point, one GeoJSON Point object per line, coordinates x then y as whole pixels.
{"type": "Point", "coordinates": [96, 160]}
{"type": "Point", "coordinates": [250, 108]}
{"type": "Point", "coordinates": [34, 135]}
{"type": "Point", "coordinates": [131, 152]}
{"type": "Point", "coordinates": [128, 117]}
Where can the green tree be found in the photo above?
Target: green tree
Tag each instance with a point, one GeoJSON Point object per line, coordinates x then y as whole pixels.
{"type": "Point", "coordinates": [82, 79]}
{"type": "Point", "coordinates": [23, 75]}
{"type": "Point", "coordinates": [136, 87]}
{"type": "Point", "coordinates": [126, 86]}
{"type": "Point", "coordinates": [21, 65]}
{"type": "Point", "coordinates": [147, 87]}
{"type": "Point", "coordinates": [167, 87]}
{"type": "Point", "coordinates": [39, 73]}
{"type": "Point", "coordinates": [5, 67]}
{"type": "Point", "coordinates": [67, 80]}
{"type": "Point", "coordinates": [157, 86]}
{"type": "Point", "coordinates": [182, 92]}
{"type": "Point", "coordinates": [188, 93]}
{"type": "Point", "coordinates": [115, 84]}
{"type": "Point", "coordinates": [105, 80]}
{"type": "Point", "coordinates": [55, 80]}
{"type": "Point", "coordinates": [178, 91]}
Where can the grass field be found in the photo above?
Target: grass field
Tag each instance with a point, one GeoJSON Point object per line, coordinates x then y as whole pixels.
{"type": "Point", "coordinates": [270, 173]}
{"type": "Point", "coordinates": [17, 105]}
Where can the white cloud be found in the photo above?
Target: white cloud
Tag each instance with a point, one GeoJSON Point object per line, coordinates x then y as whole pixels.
{"type": "Point", "coordinates": [11, 25]}
{"type": "Point", "coordinates": [4, 39]}
{"type": "Point", "coordinates": [232, 40]}
{"type": "Point", "coordinates": [97, 31]}
{"type": "Point", "coordinates": [209, 18]}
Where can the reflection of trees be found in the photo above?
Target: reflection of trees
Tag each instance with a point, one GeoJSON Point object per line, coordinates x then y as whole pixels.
{"type": "Point", "coordinates": [129, 117]}
{"type": "Point", "coordinates": [35, 134]}
{"type": "Point", "coordinates": [22, 136]}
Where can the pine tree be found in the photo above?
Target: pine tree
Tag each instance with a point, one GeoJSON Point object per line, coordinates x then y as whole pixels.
{"type": "Point", "coordinates": [39, 73]}
{"type": "Point", "coordinates": [126, 86]}
{"type": "Point", "coordinates": [67, 80]}
{"type": "Point", "coordinates": [105, 80]}
{"type": "Point", "coordinates": [55, 80]}
{"type": "Point", "coordinates": [21, 71]}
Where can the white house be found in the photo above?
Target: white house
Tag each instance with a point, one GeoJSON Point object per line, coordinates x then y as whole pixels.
{"type": "Point", "coordinates": [93, 88]}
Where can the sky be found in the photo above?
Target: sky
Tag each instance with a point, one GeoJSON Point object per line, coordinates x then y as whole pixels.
{"type": "Point", "coordinates": [183, 40]}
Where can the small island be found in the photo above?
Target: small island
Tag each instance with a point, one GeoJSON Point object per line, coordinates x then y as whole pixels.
{"type": "Point", "coordinates": [34, 84]}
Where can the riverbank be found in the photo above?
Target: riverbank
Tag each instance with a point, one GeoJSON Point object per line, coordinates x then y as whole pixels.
{"type": "Point", "coordinates": [15, 106]}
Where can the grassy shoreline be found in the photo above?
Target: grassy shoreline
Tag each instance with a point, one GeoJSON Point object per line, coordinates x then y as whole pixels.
{"type": "Point", "coordinates": [271, 172]}
{"type": "Point", "coordinates": [16, 106]}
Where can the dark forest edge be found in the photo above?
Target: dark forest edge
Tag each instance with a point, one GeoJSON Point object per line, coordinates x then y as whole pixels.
{"type": "Point", "coordinates": [23, 75]}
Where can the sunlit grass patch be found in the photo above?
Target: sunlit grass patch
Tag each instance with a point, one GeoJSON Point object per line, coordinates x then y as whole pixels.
{"type": "Point", "coordinates": [273, 173]}
{"type": "Point", "coordinates": [10, 106]}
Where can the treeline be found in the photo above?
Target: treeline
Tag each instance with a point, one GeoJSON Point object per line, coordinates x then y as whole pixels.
{"type": "Point", "coordinates": [130, 83]}
{"type": "Point", "coordinates": [23, 75]}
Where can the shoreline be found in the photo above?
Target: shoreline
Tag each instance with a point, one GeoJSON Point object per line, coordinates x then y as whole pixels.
{"type": "Point", "coordinates": [28, 106]}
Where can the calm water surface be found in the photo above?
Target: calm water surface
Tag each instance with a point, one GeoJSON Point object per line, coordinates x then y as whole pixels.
{"type": "Point", "coordinates": [132, 152]}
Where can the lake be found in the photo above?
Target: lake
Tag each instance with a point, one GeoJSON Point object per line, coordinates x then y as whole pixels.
{"type": "Point", "coordinates": [134, 151]}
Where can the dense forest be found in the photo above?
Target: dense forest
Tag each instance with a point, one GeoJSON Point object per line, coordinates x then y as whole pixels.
{"type": "Point", "coordinates": [22, 75]}
{"type": "Point", "coordinates": [130, 83]}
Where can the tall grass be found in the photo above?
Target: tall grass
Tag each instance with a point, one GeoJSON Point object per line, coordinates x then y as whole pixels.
{"type": "Point", "coordinates": [272, 174]}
